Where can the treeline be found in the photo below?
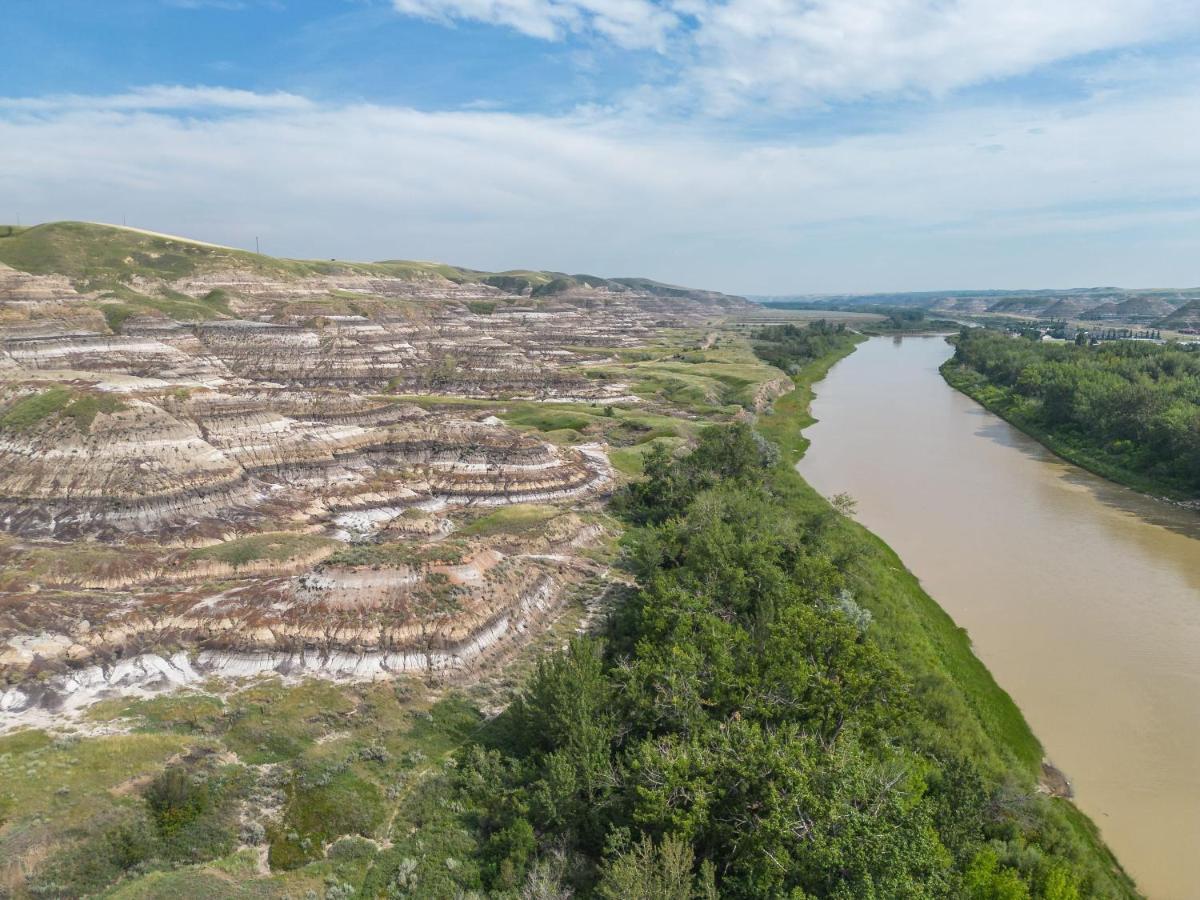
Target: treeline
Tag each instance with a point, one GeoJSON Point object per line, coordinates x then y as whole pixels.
{"type": "Point", "coordinates": [790, 347]}
{"type": "Point", "coordinates": [744, 729]}
{"type": "Point", "coordinates": [903, 319]}
{"type": "Point", "coordinates": [1129, 410]}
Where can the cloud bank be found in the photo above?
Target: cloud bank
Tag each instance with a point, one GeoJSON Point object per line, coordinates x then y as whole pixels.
{"type": "Point", "coordinates": [971, 194]}
{"type": "Point", "coordinates": [797, 52]}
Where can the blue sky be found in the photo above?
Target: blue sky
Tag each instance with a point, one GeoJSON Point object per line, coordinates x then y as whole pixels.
{"type": "Point", "coordinates": [758, 146]}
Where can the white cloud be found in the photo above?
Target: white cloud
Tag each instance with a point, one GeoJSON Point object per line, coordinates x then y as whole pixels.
{"type": "Point", "coordinates": [798, 51]}
{"type": "Point", "coordinates": [629, 23]}
{"type": "Point", "coordinates": [160, 97]}
{"type": "Point", "coordinates": [928, 205]}
{"type": "Point", "coordinates": [731, 53]}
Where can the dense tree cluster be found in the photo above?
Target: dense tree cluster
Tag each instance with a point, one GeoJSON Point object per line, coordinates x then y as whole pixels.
{"type": "Point", "coordinates": [789, 346]}
{"type": "Point", "coordinates": [740, 733]}
{"type": "Point", "coordinates": [1133, 404]}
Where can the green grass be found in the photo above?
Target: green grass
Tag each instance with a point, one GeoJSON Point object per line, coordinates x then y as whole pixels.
{"type": "Point", "coordinates": [100, 256]}
{"type": "Point", "coordinates": [182, 712]}
{"type": "Point", "coordinates": [516, 519]}
{"type": "Point", "coordinates": [398, 553]}
{"type": "Point", "coordinates": [631, 460]}
{"type": "Point", "coordinates": [30, 410]}
{"type": "Point", "coordinates": [48, 786]}
{"type": "Point", "coordinates": [115, 315]}
{"type": "Point", "coordinates": [544, 418]}
{"type": "Point", "coordinates": [347, 760]}
{"type": "Point", "coordinates": [277, 546]}
{"type": "Point", "coordinates": [319, 810]}
{"type": "Point", "coordinates": [121, 303]}
{"type": "Point", "coordinates": [569, 423]}
{"type": "Point", "coordinates": [711, 382]}
{"type": "Point", "coordinates": [78, 407]}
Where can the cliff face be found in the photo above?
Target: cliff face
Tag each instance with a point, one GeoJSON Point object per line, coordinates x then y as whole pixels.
{"type": "Point", "coordinates": [223, 456]}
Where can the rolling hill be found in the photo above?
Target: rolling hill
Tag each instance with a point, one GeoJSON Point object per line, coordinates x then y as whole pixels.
{"type": "Point", "coordinates": [98, 257]}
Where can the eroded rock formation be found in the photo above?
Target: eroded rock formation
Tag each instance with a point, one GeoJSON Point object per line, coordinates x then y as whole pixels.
{"type": "Point", "coordinates": [227, 472]}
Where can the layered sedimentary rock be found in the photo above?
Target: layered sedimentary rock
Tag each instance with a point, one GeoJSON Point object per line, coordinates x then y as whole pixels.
{"type": "Point", "coordinates": [442, 608]}
{"type": "Point", "coordinates": [194, 465]}
{"type": "Point", "coordinates": [163, 513]}
{"type": "Point", "coordinates": [17, 287]}
{"type": "Point", "coordinates": [135, 468]}
{"type": "Point", "coordinates": [290, 466]}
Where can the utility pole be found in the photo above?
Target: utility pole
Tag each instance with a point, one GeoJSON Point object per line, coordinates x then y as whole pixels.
{"type": "Point", "coordinates": [256, 250]}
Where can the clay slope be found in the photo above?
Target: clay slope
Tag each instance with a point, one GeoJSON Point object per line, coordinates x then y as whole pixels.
{"type": "Point", "coordinates": [212, 461]}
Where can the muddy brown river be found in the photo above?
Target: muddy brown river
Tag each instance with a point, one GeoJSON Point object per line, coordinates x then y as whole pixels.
{"type": "Point", "coordinates": [1082, 597]}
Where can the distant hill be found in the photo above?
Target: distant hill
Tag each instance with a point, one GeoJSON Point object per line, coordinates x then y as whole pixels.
{"type": "Point", "coordinates": [98, 257]}
{"type": "Point", "coordinates": [1147, 307]}
{"type": "Point", "coordinates": [1104, 311]}
{"type": "Point", "coordinates": [1187, 316]}
{"type": "Point", "coordinates": [1041, 303]}
{"type": "Point", "coordinates": [1068, 308]}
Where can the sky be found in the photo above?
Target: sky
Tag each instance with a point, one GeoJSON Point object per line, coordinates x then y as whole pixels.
{"type": "Point", "coordinates": [751, 146]}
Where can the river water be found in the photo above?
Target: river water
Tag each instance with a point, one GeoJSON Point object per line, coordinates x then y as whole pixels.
{"type": "Point", "coordinates": [1082, 597]}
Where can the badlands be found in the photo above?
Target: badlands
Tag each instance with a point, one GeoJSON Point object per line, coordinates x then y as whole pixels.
{"type": "Point", "coordinates": [219, 463]}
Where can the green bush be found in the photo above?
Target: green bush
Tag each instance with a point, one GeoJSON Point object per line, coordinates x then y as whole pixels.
{"type": "Point", "coordinates": [321, 807]}
{"type": "Point", "coordinates": [746, 728]}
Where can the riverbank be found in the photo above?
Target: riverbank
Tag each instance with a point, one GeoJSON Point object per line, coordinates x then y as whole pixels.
{"type": "Point", "coordinates": [976, 713]}
{"type": "Point", "coordinates": [1000, 402]}
{"type": "Point", "coordinates": [791, 413]}
{"type": "Point", "coordinates": [917, 625]}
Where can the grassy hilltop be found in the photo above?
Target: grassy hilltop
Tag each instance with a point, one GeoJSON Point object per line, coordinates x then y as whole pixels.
{"type": "Point", "coordinates": [107, 257]}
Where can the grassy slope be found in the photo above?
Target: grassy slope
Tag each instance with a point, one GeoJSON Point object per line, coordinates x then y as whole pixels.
{"type": "Point", "coordinates": [710, 381]}
{"type": "Point", "coordinates": [923, 636]}
{"type": "Point", "coordinates": [103, 255]}
{"type": "Point", "coordinates": [100, 257]}
{"type": "Point", "coordinates": [276, 546]}
{"type": "Point", "coordinates": [999, 401]}
{"type": "Point", "coordinates": [80, 407]}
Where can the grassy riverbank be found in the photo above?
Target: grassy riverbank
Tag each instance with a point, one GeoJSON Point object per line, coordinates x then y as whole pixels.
{"type": "Point", "coordinates": [791, 414]}
{"type": "Point", "coordinates": [917, 627]}
{"type": "Point", "coordinates": [1005, 404]}
{"type": "Point", "coordinates": [970, 709]}
{"type": "Point", "coordinates": [1125, 410]}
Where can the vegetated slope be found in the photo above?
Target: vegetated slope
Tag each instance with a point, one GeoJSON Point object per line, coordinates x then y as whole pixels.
{"type": "Point", "coordinates": [778, 711]}
{"type": "Point", "coordinates": [1187, 316]}
{"type": "Point", "coordinates": [1145, 307]}
{"type": "Point", "coordinates": [1126, 410]}
{"type": "Point", "coordinates": [98, 257]}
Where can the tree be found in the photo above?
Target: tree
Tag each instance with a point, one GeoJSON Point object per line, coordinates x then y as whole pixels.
{"type": "Point", "coordinates": [650, 871]}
